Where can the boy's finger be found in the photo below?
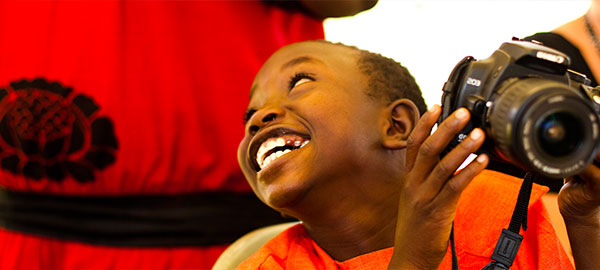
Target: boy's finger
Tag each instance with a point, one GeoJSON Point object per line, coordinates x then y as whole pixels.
{"type": "Point", "coordinates": [420, 133]}
{"type": "Point", "coordinates": [430, 150]}
{"type": "Point", "coordinates": [454, 187]}
{"type": "Point", "coordinates": [591, 175]}
{"type": "Point", "coordinates": [450, 163]}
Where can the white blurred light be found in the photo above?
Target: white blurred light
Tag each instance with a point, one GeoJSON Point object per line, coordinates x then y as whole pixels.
{"type": "Point", "coordinates": [430, 36]}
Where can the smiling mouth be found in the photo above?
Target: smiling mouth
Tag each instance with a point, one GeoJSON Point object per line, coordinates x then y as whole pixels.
{"type": "Point", "coordinates": [276, 147]}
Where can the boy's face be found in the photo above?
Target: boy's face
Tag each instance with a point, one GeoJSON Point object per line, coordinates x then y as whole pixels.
{"type": "Point", "coordinates": [312, 127]}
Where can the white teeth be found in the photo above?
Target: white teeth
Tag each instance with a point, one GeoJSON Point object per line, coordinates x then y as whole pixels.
{"type": "Point", "coordinates": [271, 143]}
{"type": "Point", "coordinates": [280, 141]}
{"type": "Point", "coordinates": [273, 157]}
{"type": "Point", "coordinates": [266, 146]}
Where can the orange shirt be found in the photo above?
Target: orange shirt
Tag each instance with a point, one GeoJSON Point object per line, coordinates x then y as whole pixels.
{"type": "Point", "coordinates": [485, 208]}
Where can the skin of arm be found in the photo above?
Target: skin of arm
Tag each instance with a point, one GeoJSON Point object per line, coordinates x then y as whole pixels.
{"type": "Point", "coordinates": [337, 8]}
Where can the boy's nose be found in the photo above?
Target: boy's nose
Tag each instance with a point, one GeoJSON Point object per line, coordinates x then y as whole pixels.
{"type": "Point", "coordinates": [263, 118]}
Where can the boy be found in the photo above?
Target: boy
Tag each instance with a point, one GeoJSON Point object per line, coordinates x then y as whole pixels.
{"type": "Point", "coordinates": [335, 137]}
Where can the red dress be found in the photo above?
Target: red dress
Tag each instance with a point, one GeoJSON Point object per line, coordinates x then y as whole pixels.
{"type": "Point", "coordinates": [110, 99]}
{"type": "Point", "coordinates": [476, 233]}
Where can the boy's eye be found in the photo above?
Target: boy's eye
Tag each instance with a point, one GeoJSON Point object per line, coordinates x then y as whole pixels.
{"type": "Point", "coordinates": [300, 78]}
{"type": "Point", "coordinates": [248, 114]}
{"type": "Point", "coordinates": [297, 79]}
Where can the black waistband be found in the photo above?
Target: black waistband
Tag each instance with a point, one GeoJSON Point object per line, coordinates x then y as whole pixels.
{"type": "Point", "coordinates": [181, 220]}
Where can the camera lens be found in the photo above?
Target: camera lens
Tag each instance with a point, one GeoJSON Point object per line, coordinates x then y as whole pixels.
{"type": "Point", "coordinates": [543, 126]}
{"type": "Point", "coordinates": [558, 134]}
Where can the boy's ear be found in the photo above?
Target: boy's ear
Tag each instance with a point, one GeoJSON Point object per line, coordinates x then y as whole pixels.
{"type": "Point", "coordinates": [401, 117]}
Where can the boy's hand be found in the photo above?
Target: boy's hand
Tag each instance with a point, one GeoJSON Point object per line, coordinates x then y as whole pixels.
{"type": "Point", "coordinates": [579, 198]}
{"type": "Point", "coordinates": [579, 204]}
{"type": "Point", "coordinates": [431, 190]}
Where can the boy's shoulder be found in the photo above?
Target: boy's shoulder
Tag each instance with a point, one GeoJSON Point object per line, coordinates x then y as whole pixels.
{"type": "Point", "coordinates": [288, 244]}
{"type": "Point", "coordinates": [486, 207]}
{"type": "Point", "coordinates": [491, 187]}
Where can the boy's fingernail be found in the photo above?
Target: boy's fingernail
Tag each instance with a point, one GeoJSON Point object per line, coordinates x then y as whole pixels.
{"type": "Point", "coordinates": [481, 158]}
{"type": "Point", "coordinates": [476, 134]}
{"type": "Point", "coordinates": [434, 108]}
{"type": "Point", "coordinates": [461, 113]}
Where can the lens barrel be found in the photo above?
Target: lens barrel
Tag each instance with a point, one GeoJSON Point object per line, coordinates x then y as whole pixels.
{"type": "Point", "coordinates": [544, 126]}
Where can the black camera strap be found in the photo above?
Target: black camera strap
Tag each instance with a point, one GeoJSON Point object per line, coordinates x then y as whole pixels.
{"type": "Point", "coordinates": [510, 240]}
{"type": "Point", "coordinates": [452, 246]}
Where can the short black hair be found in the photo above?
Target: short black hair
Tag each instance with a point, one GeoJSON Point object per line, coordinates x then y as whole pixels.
{"type": "Point", "coordinates": [388, 79]}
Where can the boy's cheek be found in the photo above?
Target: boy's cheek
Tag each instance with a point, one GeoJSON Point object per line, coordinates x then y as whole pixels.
{"type": "Point", "coordinates": [243, 162]}
{"type": "Point", "coordinates": [241, 154]}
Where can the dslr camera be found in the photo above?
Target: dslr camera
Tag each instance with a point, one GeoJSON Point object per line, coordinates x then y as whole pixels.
{"type": "Point", "coordinates": [537, 113]}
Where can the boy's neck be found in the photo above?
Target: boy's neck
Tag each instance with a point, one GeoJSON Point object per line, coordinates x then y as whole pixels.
{"type": "Point", "coordinates": [348, 233]}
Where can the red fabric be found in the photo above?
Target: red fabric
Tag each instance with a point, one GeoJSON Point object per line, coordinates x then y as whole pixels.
{"type": "Point", "coordinates": [44, 253]}
{"type": "Point", "coordinates": [476, 232]}
{"type": "Point", "coordinates": [172, 77]}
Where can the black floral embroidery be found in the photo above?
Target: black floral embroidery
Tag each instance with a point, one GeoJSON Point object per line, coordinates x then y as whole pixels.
{"type": "Point", "coordinates": [47, 131]}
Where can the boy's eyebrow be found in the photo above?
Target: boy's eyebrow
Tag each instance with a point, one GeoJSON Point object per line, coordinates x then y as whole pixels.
{"type": "Point", "coordinates": [252, 91]}
{"type": "Point", "coordinates": [299, 60]}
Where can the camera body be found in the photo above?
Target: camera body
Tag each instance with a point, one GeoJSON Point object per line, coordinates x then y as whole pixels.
{"type": "Point", "coordinates": [536, 113]}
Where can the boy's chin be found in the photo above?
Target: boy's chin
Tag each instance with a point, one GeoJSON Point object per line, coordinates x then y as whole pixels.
{"type": "Point", "coordinates": [283, 199]}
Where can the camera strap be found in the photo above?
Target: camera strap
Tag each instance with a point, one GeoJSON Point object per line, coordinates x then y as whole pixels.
{"type": "Point", "coordinates": [510, 240]}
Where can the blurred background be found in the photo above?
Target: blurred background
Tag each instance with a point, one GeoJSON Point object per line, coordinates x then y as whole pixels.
{"type": "Point", "coordinates": [430, 37]}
